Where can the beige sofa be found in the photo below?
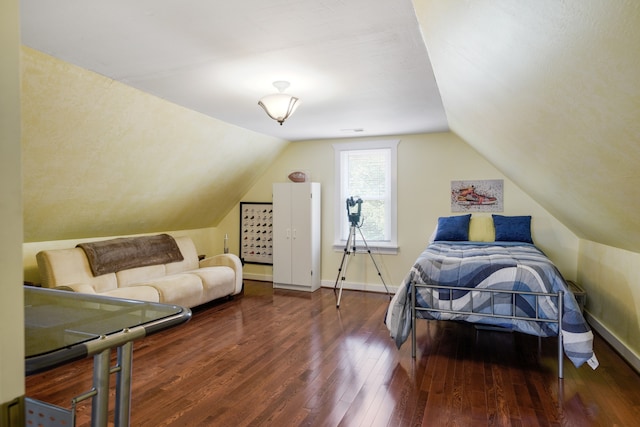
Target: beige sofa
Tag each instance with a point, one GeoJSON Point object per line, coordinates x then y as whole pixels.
{"type": "Point", "coordinates": [188, 283]}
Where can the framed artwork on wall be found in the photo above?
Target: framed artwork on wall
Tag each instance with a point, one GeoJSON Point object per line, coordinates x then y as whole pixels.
{"type": "Point", "coordinates": [477, 196]}
{"type": "Point", "coordinates": [256, 232]}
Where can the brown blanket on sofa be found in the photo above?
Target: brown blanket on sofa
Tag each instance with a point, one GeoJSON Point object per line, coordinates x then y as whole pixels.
{"type": "Point", "coordinates": [109, 256]}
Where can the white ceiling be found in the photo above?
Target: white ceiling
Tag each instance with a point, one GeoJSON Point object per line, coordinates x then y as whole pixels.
{"type": "Point", "coordinates": [359, 67]}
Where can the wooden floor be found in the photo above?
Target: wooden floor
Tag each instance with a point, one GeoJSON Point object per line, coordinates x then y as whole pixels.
{"type": "Point", "coordinates": [287, 358]}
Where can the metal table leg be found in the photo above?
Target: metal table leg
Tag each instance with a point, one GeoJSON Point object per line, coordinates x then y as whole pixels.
{"type": "Point", "coordinates": [123, 385]}
{"type": "Point", "coordinates": [100, 402]}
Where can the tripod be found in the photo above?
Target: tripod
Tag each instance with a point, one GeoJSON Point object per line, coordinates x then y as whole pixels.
{"type": "Point", "coordinates": [345, 260]}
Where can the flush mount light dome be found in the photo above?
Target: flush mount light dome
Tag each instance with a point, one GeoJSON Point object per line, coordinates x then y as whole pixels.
{"type": "Point", "coordinates": [279, 106]}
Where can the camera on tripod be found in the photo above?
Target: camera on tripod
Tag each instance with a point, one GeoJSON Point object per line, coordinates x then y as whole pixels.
{"type": "Point", "coordinates": [354, 209]}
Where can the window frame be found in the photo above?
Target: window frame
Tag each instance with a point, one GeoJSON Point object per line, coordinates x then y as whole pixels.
{"type": "Point", "coordinates": [385, 247]}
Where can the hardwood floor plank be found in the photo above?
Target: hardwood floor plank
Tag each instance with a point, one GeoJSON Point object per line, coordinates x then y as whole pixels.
{"type": "Point", "coordinates": [276, 357]}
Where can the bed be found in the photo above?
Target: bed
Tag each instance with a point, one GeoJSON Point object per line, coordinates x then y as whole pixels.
{"type": "Point", "coordinates": [495, 277]}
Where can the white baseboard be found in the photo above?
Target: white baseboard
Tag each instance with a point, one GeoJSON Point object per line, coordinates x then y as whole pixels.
{"type": "Point", "coordinates": [366, 287]}
{"type": "Point", "coordinates": [626, 353]}
{"type": "Point", "coordinates": [258, 277]}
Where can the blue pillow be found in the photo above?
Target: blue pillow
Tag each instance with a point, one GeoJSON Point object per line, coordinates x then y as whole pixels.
{"type": "Point", "coordinates": [512, 228]}
{"type": "Point", "coordinates": [453, 228]}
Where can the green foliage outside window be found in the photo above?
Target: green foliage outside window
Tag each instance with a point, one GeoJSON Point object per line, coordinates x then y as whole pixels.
{"type": "Point", "coordinates": [367, 179]}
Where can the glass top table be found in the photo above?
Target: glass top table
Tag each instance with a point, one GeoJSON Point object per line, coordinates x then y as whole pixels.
{"type": "Point", "coordinates": [63, 326]}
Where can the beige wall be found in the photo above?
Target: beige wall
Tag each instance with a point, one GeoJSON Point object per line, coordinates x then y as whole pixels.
{"type": "Point", "coordinates": [426, 165]}
{"type": "Point", "coordinates": [102, 158]}
{"type": "Point", "coordinates": [611, 278]}
{"type": "Point", "coordinates": [548, 92]}
{"type": "Point", "coordinates": [11, 294]}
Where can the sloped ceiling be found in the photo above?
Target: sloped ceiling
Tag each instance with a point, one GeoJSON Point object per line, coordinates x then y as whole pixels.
{"type": "Point", "coordinates": [549, 92]}
{"type": "Point", "coordinates": [359, 67]}
{"type": "Point", "coordinates": [102, 159]}
{"type": "Point", "coordinates": [546, 90]}
{"type": "Point", "coordinates": [141, 116]}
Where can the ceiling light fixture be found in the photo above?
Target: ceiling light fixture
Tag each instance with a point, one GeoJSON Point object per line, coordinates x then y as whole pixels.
{"type": "Point", "coordinates": [279, 106]}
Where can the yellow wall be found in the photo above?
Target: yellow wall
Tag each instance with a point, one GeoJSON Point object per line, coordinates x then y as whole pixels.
{"type": "Point", "coordinates": [11, 294]}
{"type": "Point", "coordinates": [611, 277]}
{"type": "Point", "coordinates": [548, 92]}
{"type": "Point", "coordinates": [426, 165]}
{"type": "Point", "coordinates": [102, 158]}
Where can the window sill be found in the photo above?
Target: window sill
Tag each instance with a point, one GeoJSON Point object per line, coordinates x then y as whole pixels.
{"type": "Point", "coordinates": [377, 248]}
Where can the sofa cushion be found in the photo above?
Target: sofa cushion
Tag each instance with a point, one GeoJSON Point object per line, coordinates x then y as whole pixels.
{"type": "Point", "coordinates": [179, 289]}
{"type": "Point", "coordinates": [189, 253]}
{"type": "Point", "coordinates": [227, 260]}
{"type": "Point", "coordinates": [137, 275]}
{"type": "Point", "coordinates": [61, 267]}
{"type": "Point", "coordinates": [142, 293]}
{"type": "Point", "coordinates": [217, 282]}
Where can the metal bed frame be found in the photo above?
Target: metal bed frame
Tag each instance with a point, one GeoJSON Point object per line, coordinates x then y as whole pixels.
{"type": "Point", "coordinates": [493, 292]}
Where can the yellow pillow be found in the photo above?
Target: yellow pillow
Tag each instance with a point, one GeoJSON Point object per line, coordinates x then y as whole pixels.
{"type": "Point", "coordinates": [481, 229]}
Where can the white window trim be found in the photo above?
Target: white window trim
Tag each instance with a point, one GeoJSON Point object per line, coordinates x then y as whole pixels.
{"type": "Point", "coordinates": [390, 247]}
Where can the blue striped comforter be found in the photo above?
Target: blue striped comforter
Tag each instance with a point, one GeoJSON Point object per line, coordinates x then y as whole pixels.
{"type": "Point", "coordinates": [502, 265]}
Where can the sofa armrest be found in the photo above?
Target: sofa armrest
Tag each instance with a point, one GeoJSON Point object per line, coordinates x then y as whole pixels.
{"type": "Point", "coordinates": [227, 260]}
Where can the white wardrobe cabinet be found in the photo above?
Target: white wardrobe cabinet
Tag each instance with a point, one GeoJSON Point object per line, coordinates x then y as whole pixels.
{"type": "Point", "coordinates": [296, 236]}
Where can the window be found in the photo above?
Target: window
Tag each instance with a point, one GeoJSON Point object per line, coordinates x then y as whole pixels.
{"type": "Point", "coordinates": [367, 171]}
